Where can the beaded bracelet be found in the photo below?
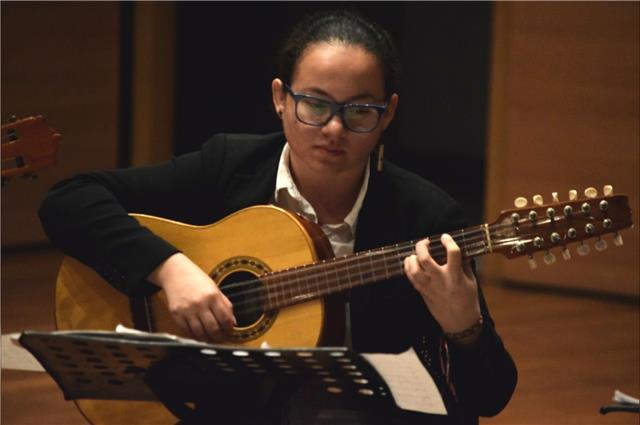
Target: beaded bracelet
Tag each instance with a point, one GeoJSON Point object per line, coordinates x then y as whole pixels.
{"type": "Point", "coordinates": [471, 330]}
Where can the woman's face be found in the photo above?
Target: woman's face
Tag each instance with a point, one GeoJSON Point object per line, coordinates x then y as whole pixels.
{"type": "Point", "coordinates": [340, 73]}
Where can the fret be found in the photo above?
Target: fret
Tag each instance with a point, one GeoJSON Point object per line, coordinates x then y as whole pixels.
{"type": "Point", "coordinates": [349, 285]}
{"type": "Point", "coordinates": [329, 276]}
{"type": "Point", "coordinates": [384, 261]}
{"type": "Point", "coordinates": [315, 280]}
{"type": "Point", "coordinates": [287, 288]}
{"type": "Point", "coordinates": [277, 294]}
{"type": "Point", "coordinates": [311, 283]}
{"type": "Point", "coordinates": [271, 281]}
{"type": "Point", "coordinates": [399, 260]}
{"type": "Point", "coordinates": [294, 286]}
{"type": "Point", "coordinates": [464, 244]}
{"type": "Point", "coordinates": [324, 286]}
{"type": "Point", "coordinates": [337, 284]}
{"type": "Point", "coordinates": [326, 276]}
{"type": "Point", "coordinates": [360, 276]}
{"type": "Point", "coordinates": [379, 273]}
{"type": "Point", "coordinates": [488, 245]}
{"type": "Point", "coordinates": [306, 283]}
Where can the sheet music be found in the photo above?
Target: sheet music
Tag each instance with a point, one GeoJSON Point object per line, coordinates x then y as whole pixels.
{"type": "Point", "coordinates": [17, 358]}
{"type": "Point", "coordinates": [411, 385]}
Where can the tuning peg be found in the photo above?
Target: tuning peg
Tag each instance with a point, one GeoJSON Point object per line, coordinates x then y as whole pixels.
{"type": "Point", "coordinates": [532, 263]}
{"type": "Point", "coordinates": [590, 192]}
{"type": "Point", "coordinates": [520, 202]}
{"type": "Point", "coordinates": [537, 199]}
{"type": "Point", "coordinates": [607, 190]}
{"type": "Point", "coordinates": [573, 195]}
{"type": "Point", "coordinates": [554, 195]}
{"type": "Point", "coordinates": [583, 249]}
{"type": "Point", "coordinates": [617, 241]}
{"type": "Point", "coordinates": [600, 245]}
{"type": "Point", "coordinates": [549, 258]}
{"type": "Point", "coordinates": [566, 254]}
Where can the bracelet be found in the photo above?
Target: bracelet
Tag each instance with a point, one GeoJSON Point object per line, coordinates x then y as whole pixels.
{"type": "Point", "coordinates": [471, 330]}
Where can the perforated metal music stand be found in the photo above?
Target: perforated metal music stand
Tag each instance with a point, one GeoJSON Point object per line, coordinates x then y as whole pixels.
{"type": "Point", "coordinates": [116, 366]}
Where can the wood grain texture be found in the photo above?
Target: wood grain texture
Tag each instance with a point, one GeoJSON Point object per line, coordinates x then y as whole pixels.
{"type": "Point", "coordinates": [565, 115]}
{"type": "Point", "coordinates": [153, 82]}
{"type": "Point", "coordinates": [59, 60]}
{"type": "Point", "coordinates": [572, 352]}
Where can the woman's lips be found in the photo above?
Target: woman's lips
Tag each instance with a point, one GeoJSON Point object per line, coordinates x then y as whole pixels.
{"type": "Point", "coordinates": [330, 151]}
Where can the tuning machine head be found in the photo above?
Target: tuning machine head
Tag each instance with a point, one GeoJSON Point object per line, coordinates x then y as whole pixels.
{"type": "Point", "coordinates": [617, 240]}
{"type": "Point", "coordinates": [520, 202]}
{"type": "Point", "coordinates": [583, 249]}
{"type": "Point", "coordinates": [590, 192]}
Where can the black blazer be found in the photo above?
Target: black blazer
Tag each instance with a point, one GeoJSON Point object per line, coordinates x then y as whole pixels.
{"type": "Point", "coordinates": [86, 217]}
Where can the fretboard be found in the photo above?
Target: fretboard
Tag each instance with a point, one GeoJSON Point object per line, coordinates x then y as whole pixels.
{"type": "Point", "coordinates": [292, 286]}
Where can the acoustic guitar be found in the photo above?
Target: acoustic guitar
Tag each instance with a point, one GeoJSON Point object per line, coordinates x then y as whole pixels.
{"type": "Point", "coordinates": [28, 144]}
{"type": "Point", "coordinates": [274, 267]}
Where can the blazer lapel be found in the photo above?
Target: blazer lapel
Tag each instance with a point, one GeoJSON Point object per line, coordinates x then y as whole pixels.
{"type": "Point", "coordinates": [248, 189]}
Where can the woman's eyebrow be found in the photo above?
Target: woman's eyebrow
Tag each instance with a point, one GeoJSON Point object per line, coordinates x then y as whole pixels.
{"type": "Point", "coordinates": [319, 91]}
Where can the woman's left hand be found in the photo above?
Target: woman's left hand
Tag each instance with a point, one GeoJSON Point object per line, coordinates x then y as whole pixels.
{"type": "Point", "coordinates": [450, 291]}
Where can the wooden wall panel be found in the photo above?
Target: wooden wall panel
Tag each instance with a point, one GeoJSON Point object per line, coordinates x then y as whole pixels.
{"type": "Point", "coordinates": [60, 60]}
{"type": "Point", "coordinates": [153, 88]}
{"type": "Point", "coordinates": [565, 115]}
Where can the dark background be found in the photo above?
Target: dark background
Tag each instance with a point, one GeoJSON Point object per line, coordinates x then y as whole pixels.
{"type": "Point", "coordinates": [226, 61]}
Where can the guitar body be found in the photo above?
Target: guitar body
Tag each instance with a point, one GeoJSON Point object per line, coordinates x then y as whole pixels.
{"type": "Point", "coordinates": [248, 243]}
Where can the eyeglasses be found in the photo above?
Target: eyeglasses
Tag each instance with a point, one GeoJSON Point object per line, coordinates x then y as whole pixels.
{"type": "Point", "coordinates": [357, 117]}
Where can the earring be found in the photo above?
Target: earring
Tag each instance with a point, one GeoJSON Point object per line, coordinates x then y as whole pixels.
{"type": "Point", "coordinates": [380, 164]}
{"type": "Point", "coordinates": [280, 113]}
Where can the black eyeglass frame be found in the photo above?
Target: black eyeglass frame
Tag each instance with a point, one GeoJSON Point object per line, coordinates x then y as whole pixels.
{"type": "Point", "coordinates": [336, 108]}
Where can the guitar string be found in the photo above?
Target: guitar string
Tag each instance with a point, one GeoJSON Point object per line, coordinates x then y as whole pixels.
{"type": "Point", "coordinates": [435, 248]}
{"type": "Point", "coordinates": [377, 257]}
{"type": "Point", "coordinates": [320, 269]}
{"type": "Point", "coordinates": [320, 283]}
{"type": "Point", "coordinates": [343, 262]}
{"type": "Point", "coordinates": [381, 262]}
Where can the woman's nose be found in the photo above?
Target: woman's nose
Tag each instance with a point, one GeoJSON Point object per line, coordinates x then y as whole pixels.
{"type": "Point", "coordinates": [334, 126]}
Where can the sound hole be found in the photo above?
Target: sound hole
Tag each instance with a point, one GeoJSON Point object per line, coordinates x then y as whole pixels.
{"type": "Point", "coordinates": [245, 292]}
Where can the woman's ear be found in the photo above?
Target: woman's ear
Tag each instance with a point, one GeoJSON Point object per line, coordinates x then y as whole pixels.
{"type": "Point", "coordinates": [390, 112]}
{"type": "Point", "coordinates": [278, 95]}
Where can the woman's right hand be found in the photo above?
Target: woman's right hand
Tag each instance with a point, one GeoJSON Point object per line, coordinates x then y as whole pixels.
{"type": "Point", "coordinates": [196, 303]}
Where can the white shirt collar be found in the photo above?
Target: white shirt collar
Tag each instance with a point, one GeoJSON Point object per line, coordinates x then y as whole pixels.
{"type": "Point", "coordinates": [286, 188]}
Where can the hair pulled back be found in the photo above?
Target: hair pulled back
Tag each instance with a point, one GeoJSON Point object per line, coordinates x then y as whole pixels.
{"type": "Point", "coordinates": [344, 26]}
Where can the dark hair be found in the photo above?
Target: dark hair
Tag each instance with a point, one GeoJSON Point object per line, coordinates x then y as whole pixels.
{"type": "Point", "coordinates": [345, 26]}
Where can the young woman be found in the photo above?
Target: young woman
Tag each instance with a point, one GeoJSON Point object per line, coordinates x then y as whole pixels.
{"type": "Point", "coordinates": [335, 96]}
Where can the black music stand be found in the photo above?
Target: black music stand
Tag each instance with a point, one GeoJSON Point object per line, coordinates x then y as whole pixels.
{"type": "Point", "coordinates": [120, 366]}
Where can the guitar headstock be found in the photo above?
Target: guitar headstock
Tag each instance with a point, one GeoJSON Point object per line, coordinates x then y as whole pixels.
{"type": "Point", "coordinates": [28, 144]}
{"type": "Point", "coordinates": [542, 227]}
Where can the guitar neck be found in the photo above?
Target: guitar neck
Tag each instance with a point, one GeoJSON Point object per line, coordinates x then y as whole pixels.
{"type": "Point", "coordinates": [516, 233]}
{"type": "Point", "coordinates": [304, 283]}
